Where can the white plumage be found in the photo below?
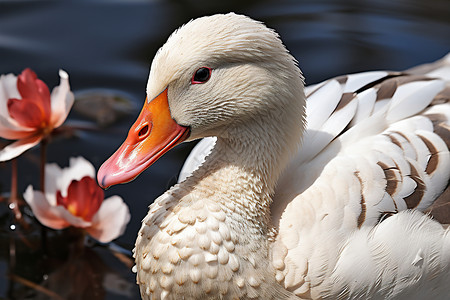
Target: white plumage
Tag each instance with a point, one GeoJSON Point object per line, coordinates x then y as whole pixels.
{"type": "Point", "coordinates": [338, 217]}
{"type": "Point", "coordinates": [395, 259]}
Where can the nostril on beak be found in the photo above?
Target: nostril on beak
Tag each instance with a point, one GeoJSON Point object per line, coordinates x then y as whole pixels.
{"type": "Point", "coordinates": [143, 132]}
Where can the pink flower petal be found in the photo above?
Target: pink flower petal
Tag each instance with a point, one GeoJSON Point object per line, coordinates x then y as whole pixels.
{"type": "Point", "coordinates": [9, 128]}
{"type": "Point", "coordinates": [53, 175]}
{"type": "Point", "coordinates": [15, 149]}
{"type": "Point", "coordinates": [58, 179]}
{"type": "Point", "coordinates": [9, 131]}
{"type": "Point", "coordinates": [32, 88]}
{"type": "Point", "coordinates": [8, 87]}
{"type": "Point", "coordinates": [84, 198]}
{"type": "Point", "coordinates": [78, 168]}
{"type": "Point", "coordinates": [110, 221]}
{"type": "Point", "coordinates": [56, 217]}
{"type": "Point", "coordinates": [61, 100]}
{"type": "Point", "coordinates": [27, 112]}
{"type": "Point", "coordinates": [44, 212]}
{"type": "Point", "coordinates": [71, 219]}
{"type": "Point", "coordinates": [8, 90]}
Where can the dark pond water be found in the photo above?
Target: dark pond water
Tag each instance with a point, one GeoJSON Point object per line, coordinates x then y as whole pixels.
{"type": "Point", "coordinates": [110, 44]}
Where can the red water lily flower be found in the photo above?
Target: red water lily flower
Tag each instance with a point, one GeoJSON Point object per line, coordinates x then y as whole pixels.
{"type": "Point", "coordinates": [29, 112]}
{"type": "Point", "coordinates": [73, 198]}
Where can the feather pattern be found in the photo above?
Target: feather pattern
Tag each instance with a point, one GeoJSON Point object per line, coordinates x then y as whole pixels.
{"type": "Point", "coordinates": [375, 151]}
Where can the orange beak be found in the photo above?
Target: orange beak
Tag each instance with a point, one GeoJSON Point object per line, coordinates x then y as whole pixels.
{"type": "Point", "coordinates": [153, 134]}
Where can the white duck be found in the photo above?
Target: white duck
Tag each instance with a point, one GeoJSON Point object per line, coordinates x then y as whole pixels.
{"type": "Point", "coordinates": [374, 146]}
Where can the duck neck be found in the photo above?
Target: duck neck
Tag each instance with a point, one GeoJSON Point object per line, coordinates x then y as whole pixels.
{"type": "Point", "coordinates": [243, 169]}
{"type": "Point", "coordinates": [238, 179]}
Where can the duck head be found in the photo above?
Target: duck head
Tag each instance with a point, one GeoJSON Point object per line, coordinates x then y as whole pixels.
{"type": "Point", "coordinates": [215, 76]}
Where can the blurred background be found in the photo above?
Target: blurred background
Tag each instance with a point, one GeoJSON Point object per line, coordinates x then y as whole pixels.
{"type": "Point", "coordinates": [107, 47]}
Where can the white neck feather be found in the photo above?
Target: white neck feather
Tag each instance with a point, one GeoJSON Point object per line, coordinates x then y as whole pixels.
{"type": "Point", "coordinates": [246, 162]}
{"type": "Point", "coordinates": [240, 175]}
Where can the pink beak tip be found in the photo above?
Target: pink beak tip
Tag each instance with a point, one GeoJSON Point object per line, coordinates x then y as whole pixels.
{"type": "Point", "coordinates": [102, 178]}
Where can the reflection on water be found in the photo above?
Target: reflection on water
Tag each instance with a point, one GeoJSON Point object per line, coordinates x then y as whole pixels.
{"type": "Point", "coordinates": [85, 276]}
{"type": "Point", "coordinates": [109, 45]}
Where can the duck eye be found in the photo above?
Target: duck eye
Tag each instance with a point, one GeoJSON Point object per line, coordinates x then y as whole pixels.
{"type": "Point", "coordinates": [202, 75]}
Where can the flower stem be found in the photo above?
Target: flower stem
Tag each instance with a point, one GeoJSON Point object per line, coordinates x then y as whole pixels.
{"type": "Point", "coordinates": [13, 201]}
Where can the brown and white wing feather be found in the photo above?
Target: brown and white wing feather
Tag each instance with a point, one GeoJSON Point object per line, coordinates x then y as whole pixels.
{"type": "Point", "coordinates": [393, 116]}
{"type": "Point", "coordinates": [389, 156]}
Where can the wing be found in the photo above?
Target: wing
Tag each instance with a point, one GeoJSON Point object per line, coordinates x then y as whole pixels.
{"type": "Point", "coordinates": [377, 144]}
{"type": "Point", "coordinates": [388, 133]}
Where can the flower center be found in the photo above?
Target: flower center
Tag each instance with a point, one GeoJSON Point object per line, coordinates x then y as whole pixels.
{"type": "Point", "coordinates": [84, 198]}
